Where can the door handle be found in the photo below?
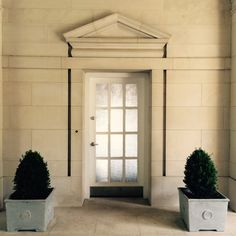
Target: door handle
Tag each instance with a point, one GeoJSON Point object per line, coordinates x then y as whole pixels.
{"type": "Point", "coordinates": [93, 144]}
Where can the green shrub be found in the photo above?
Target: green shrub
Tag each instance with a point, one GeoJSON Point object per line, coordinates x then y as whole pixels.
{"type": "Point", "coordinates": [32, 179]}
{"type": "Point", "coordinates": [200, 175]}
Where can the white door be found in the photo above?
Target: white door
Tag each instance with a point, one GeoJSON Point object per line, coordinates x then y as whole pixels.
{"type": "Point", "coordinates": [116, 129]}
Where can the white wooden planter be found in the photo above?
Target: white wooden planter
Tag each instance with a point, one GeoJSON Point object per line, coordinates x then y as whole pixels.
{"type": "Point", "coordinates": [29, 214]}
{"type": "Point", "coordinates": [203, 214]}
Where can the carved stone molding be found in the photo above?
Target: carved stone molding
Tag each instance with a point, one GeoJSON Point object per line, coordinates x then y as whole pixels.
{"type": "Point", "coordinates": [117, 36]}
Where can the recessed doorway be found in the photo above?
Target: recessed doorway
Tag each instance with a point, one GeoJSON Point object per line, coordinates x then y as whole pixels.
{"type": "Point", "coordinates": [117, 139]}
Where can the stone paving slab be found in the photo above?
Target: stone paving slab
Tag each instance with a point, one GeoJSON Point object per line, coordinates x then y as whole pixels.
{"type": "Point", "coordinates": [114, 217]}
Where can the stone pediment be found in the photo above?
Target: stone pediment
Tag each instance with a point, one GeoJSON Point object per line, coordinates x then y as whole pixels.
{"type": "Point", "coordinates": [117, 30]}
{"type": "Point", "coordinates": [119, 33]}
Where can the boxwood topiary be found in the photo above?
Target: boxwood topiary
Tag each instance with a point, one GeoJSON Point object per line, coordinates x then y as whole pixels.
{"type": "Point", "coordinates": [32, 179]}
{"type": "Point", "coordinates": [200, 175]}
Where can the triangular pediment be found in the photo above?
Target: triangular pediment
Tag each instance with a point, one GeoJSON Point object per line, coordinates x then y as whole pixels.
{"type": "Point", "coordinates": [115, 25]}
{"type": "Point", "coordinates": [117, 31]}
{"type": "Point", "coordinates": [116, 36]}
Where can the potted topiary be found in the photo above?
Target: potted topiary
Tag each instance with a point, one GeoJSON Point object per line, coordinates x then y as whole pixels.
{"type": "Point", "coordinates": [30, 206]}
{"type": "Point", "coordinates": [202, 207]}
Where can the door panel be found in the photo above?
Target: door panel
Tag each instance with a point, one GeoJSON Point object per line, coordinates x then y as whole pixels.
{"type": "Point", "coordinates": [117, 130]}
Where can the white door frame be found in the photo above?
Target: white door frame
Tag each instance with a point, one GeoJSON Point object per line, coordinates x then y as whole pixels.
{"type": "Point", "coordinates": [87, 131]}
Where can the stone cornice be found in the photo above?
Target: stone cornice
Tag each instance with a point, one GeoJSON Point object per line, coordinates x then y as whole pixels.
{"type": "Point", "coordinates": [24, 62]}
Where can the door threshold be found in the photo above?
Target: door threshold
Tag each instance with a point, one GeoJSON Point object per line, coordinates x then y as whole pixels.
{"type": "Point", "coordinates": [116, 192]}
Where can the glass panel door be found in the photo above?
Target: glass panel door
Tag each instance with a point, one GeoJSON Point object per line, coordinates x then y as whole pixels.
{"type": "Point", "coordinates": [117, 131]}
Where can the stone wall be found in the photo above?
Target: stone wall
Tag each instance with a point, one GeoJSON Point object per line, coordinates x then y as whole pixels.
{"type": "Point", "coordinates": [35, 86]}
{"type": "Point", "coordinates": [197, 116]}
{"type": "Point", "coordinates": [1, 114]}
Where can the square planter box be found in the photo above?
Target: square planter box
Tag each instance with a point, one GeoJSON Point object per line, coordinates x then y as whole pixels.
{"type": "Point", "coordinates": [203, 214]}
{"type": "Point", "coordinates": [27, 215]}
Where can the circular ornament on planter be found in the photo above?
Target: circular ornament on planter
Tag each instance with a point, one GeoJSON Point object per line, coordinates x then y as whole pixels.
{"type": "Point", "coordinates": [25, 215]}
{"type": "Point", "coordinates": [207, 214]}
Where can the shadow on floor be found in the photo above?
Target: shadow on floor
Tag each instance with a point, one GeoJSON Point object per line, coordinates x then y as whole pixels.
{"type": "Point", "coordinates": [135, 201]}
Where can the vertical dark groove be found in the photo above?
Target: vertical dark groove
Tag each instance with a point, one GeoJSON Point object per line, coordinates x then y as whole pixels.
{"type": "Point", "coordinates": [165, 51]}
{"type": "Point", "coordinates": [69, 114]}
{"type": "Point", "coordinates": [69, 50]}
{"type": "Point", "coordinates": [164, 123]}
{"type": "Point", "coordinates": [69, 123]}
{"type": "Point", "coordinates": [164, 114]}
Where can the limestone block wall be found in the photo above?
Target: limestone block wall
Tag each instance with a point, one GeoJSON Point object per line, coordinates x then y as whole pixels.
{"type": "Point", "coordinates": [35, 87]}
{"type": "Point", "coordinates": [197, 116]}
{"type": "Point", "coordinates": [198, 29]}
{"type": "Point", "coordinates": [35, 117]}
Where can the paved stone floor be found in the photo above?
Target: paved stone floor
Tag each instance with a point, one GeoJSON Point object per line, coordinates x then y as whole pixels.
{"type": "Point", "coordinates": [110, 217]}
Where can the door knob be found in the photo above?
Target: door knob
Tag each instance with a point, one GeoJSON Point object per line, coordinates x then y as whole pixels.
{"type": "Point", "coordinates": [93, 144]}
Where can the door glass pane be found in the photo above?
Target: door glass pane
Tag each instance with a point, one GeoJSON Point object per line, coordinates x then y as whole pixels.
{"type": "Point", "coordinates": [131, 120]}
{"type": "Point", "coordinates": [116, 145]}
{"type": "Point", "coordinates": [116, 170]}
{"type": "Point", "coordinates": [102, 147]}
{"type": "Point", "coordinates": [131, 145]}
{"type": "Point", "coordinates": [116, 120]}
{"type": "Point", "coordinates": [102, 170]}
{"type": "Point", "coordinates": [101, 95]}
{"type": "Point", "coordinates": [131, 170]}
{"type": "Point", "coordinates": [102, 120]}
{"type": "Point", "coordinates": [116, 95]}
{"type": "Point", "coordinates": [131, 95]}
{"type": "Point", "coordinates": [116, 131]}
